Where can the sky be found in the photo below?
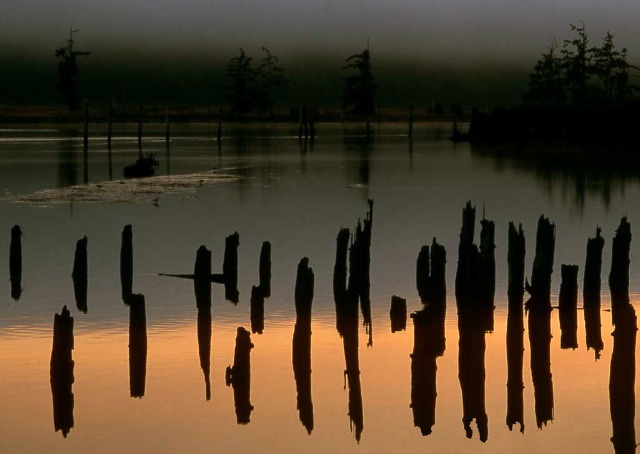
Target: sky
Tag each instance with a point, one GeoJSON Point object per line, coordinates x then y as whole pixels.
{"type": "Point", "coordinates": [450, 35]}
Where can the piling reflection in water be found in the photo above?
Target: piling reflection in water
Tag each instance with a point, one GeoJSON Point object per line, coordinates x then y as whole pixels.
{"type": "Point", "coordinates": [428, 344]}
{"type": "Point", "coordinates": [622, 377]}
{"type": "Point", "coordinates": [591, 293]}
{"type": "Point", "coordinates": [540, 344]}
{"type": "Point", "coordinates": [61, 372]}
{"type": "Point", "coordinates": [126, 262]}
{"type": "Point", "coordinates": [239, 376]}
{"type": "Point", "coordinates": [230, 268]}
{"type": "Point", "coordinates": [301, 351]}
{"type": "Point", "coordinates": [202, 289]}
{"type": "Point", "coordinates": [137, 345]}
{"type": "Point", "coordinates": [515, 328]}
{"type": "Point", "coordinates": [568, 307]}
{"type": "Point", "coordinates": [15, 262]}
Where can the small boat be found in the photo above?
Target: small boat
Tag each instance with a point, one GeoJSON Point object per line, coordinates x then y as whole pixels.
{"type": "Point", "coordinates": [145, 166]}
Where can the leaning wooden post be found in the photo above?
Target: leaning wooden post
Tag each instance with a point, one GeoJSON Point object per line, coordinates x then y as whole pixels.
{"type": "Point", "coordinates": [411, 121]}
{"type": "Point", "coordinates": [540, 288]}
{"type": "Point", "coordinates": [398, 314]}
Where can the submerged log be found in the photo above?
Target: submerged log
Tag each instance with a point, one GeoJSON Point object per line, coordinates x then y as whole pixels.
{"type": "Point", "coordinates": [79, 274]}
{"type": "Point", "coordinates": [398, 314]}
{"type": "Point", "coordinates": [15, 262]}
{"type": "Point", "coordinates": [568, 303]}
{"type": "Point", "coordinates": [61, 372]}
{"type": "Point", "coordinates": [126, 262]}
{"type": "Point", "coordinates": [137, 345]}
{"type": "Point", "coordinates": [230, 268]}
{"type": "Point", "coordinates": [592, 271]}
{"type": "Point", "coordinates": [239, 376]}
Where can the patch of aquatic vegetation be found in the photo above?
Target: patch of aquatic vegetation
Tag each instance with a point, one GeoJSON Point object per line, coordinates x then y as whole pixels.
{"type": "Point", "coordinates": [126, 191]}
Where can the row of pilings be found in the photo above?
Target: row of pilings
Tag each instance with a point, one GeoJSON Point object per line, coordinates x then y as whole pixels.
{"type": "Point", "coordinates": [351, 285]}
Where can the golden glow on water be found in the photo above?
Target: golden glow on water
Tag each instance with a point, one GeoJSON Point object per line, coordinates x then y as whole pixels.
{"type": "Point", "coordinates": [174, 413]}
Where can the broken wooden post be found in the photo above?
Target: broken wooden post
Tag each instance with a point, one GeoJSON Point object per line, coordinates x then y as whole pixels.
{"type": "Point", "coordinates": [61, 372]}
{"type": "Point", "coordinates": [568, 302]}
{"type": "Point", "coordinates": [126, 262]}
{"type": "Point", "coordinates": [79, 274]}
{"type": "Point", "coordinates": [437, 293]}
{"type": "Point", "coordinates": [202, 277]}
{"type": "Point", "coordinates": [257, 310]}
{"type": "Point", "coordinates": [340, 267]}
{"type": "Point", "coordinates": [592, 271]}
{"type": "Point", "coordinates": [487, 263]}
{"type": "Point", "coordinates": [398, 314]}
{"type": "Point", "coordinates": [411, 122]}
{"type": "Point", "coordinates": [230, 267]}
{"type": "Point", "coordinates": [466, 252]}
{"type": "Point", "coordinates": [422, 273]}
{"type": "Point", "coordinates": [619, 274]}
{"type": "Point", "coordinates": [137, 345]}
{"type": "Point", "coordinates": [15, 262]}
{"type": "Point", "coordinates": [303, 294]}
{"type": "Point", "coordinates": [110, 123]}
{"type": "Point", "coordinates": [140, 120]}
{"type": "Point", "coordinates": [265, 269]}
{"type": "Point", "coordinates": [515, 259]}
{"type": "Point", "coordinates": [239, 376]}
{"type": "Point", "coordinates": [540, 288]}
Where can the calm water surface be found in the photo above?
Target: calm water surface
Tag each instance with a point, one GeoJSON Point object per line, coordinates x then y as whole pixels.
{"type": "Point", "coordinates": [297, 197]}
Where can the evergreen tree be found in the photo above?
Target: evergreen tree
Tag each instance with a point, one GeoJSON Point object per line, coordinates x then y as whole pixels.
{"type": "Point", "coordinates": [270, 79]}
{"type": "Point", "coordinates": [359, 90]}
{"type": "Point", "coordinates": [547, 82]}
{"type": "Point", "coordinates": [68, 71]}
{"type": "Point", "coordinates": [611, 67]}
{"type": "Point", "coordinates": [577, 62]}
{"type": "Point", "coordinates": [242, 76]}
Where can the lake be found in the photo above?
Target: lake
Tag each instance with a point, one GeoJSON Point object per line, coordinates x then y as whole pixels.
{"type": "Point", "coordinates": [362, 390]}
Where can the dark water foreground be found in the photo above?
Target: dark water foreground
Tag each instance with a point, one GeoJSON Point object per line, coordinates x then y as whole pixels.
{"type": "Point", "coordinates": [145, 367]}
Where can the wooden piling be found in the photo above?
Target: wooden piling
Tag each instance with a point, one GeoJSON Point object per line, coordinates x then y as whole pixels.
{"type": "Point", "coordinates": [487, 262]}
{"type": "Point", "coordinates": [265, 269]}
{"type": "Point", "coordinates": [592, 271]}
{"type": "Point", "coordinates": [239, 376]}
{"type": "Point", "coordinates": [257, 310]}
{"type": "Point", "coordinates": [137, 346]}
{"type": "Point", "coordinates": [303, 294]}
{"type": "Point", "coordinates": [15, 262]}
{"type": "Point", "coordinates": [80, 274]}
{"type": "Point", "coordinates": [568, 303]}
{"type": "Point", "coordinates": [540, 288]}
{"type": "Point", "coordinates": [437, 293]}
{"type": "Point", "coordinates": [619, 274]}
{"type": "Point", "coordinates": [398, 314]}
{"type": "Point", "coordinates": [422, 273]}
{"type": "Point", "coordinates": [126, 262]}
{"type": "Point", "coordinates": [202, 277]}
{"type": "Point", "coordinates": [230, 267]}
{"type": "Point", "coordinates": [515, 259]}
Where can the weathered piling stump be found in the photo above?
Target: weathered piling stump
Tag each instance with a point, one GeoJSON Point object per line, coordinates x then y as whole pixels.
{"type": "Point", "coordinates": [137, 345]}
{"type": "Point", "coordinates": [437, 290]}
{"type": "Point", "coordinates": [61, 372]}
{"type": "Point", "coordinates": [340, 266]}
{"type": "Point", "coordinates": [265, 269]}
{"type": "Point", "coordinates": [80, 274]}
{"type": "Point", "coordinates": [468, 256]}
{"type": "Point", "coordinates": [423, 273]}
{"type": "Point", "coordinates": [515, 259]}
{"type": "Point", "coordinates": [592, 271]}
{"type": "Point", "coordinates": [487, 263]}
{"type": "Point", "coordinates": [126, 262]}
{"type": "Point", "coordinates": [257, 310]}
{"type": "Point", "coordinates": [239, 376]}
{"type": "Point", "coordinates": [398, 314]}
{"type": "Point", "coordinates": [540, 288]}
{"type": "Point", "coordinates": [619, 274]}
{"type": "Point", "coordinates": [568, 306]}
{"type": "Point", "coordinates": [202, 277]}
{"type": "Point", "coordinates": [15, 262]}
{"type": "Point", "coordinates": [230, 268]}
{"type": "Point", "coordinates": [303, 294]}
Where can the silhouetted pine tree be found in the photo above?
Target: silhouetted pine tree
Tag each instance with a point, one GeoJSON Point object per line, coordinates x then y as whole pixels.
{"type": "Point", "coordinates": [359, 90]}
{"type": "Point", "coordinates": [577, 63]}
{"type": "Point", "coordinates": [611, 67]}
{"type": "Point", "coordinates": [68, 71]}
{"type": "Point", "coordinates": [270, 78]}
{"type": "Point", "coordinates": [242, 90]}
{"type": "Point", "coordinates": [547, 84]}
